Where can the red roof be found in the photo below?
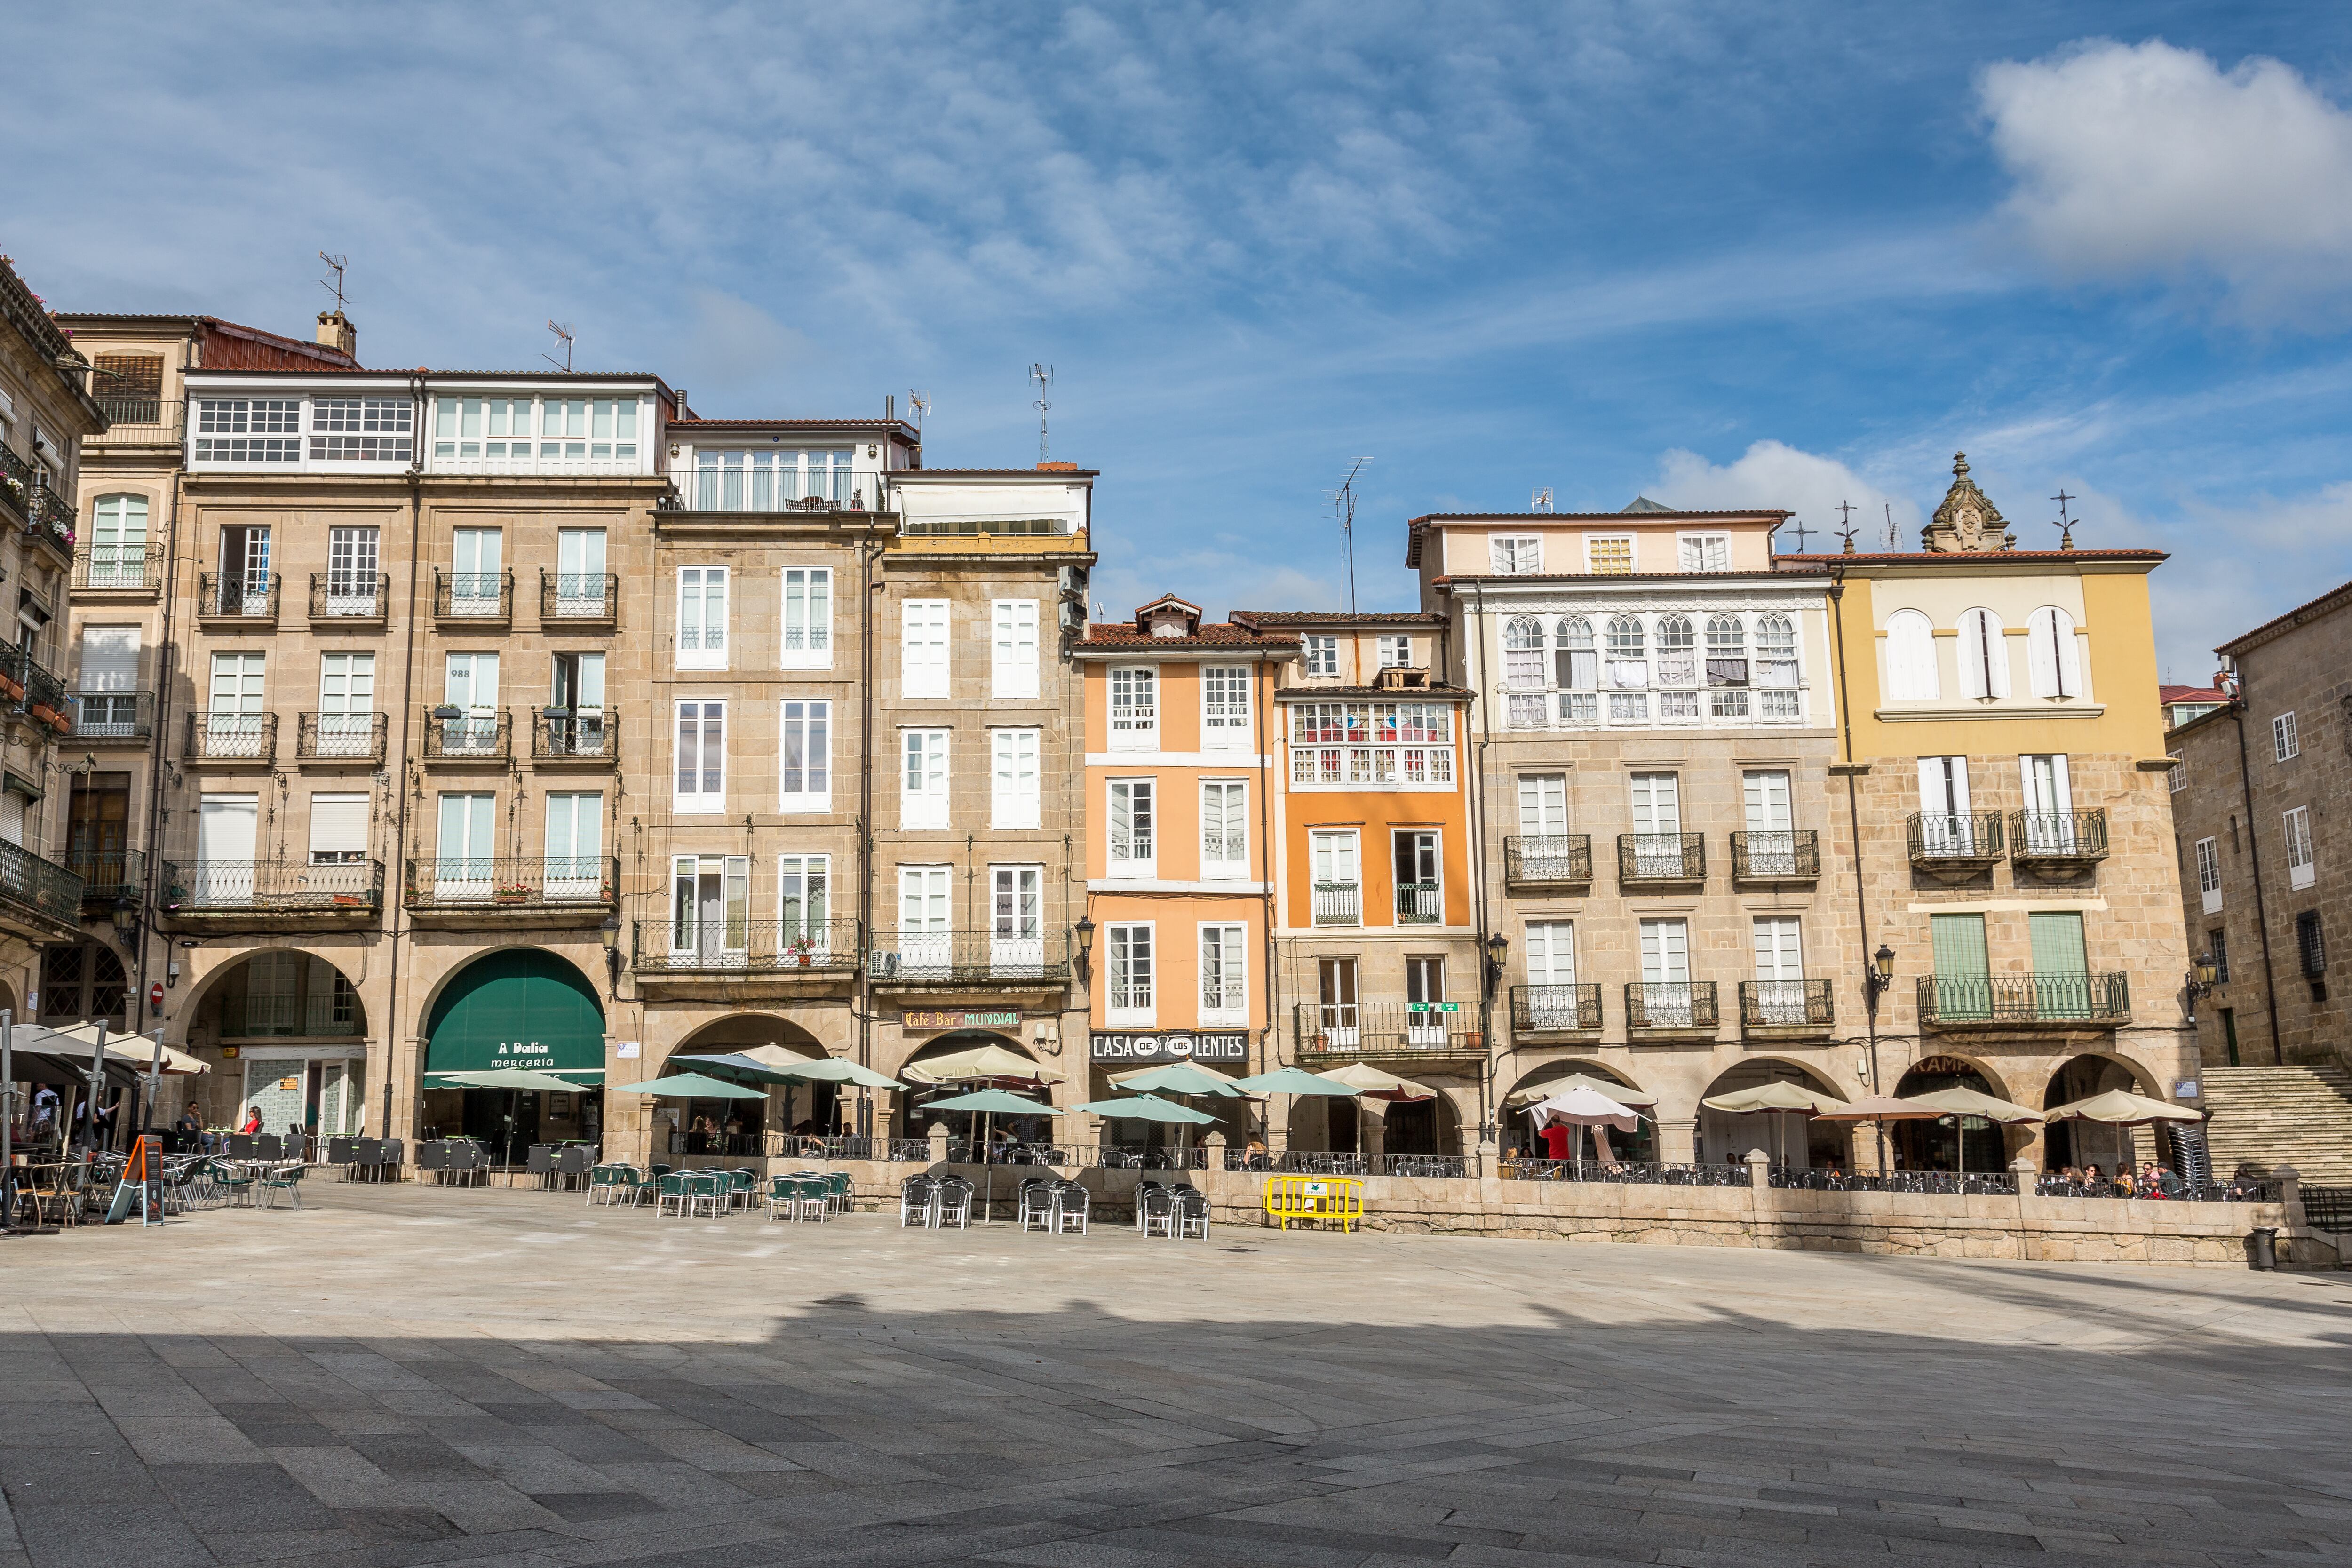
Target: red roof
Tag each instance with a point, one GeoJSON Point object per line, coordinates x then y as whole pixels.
{"type": "Point", "coordinates": [1941, 557]}
{"type": "Point", "coordinates": [1212, 634]}
{"type": "Point", "coordinates": [2168, 695]}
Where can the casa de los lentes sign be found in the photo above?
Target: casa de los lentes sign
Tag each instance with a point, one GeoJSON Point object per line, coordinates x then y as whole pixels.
{"type": "Point", "coordinates": [1192, 1045]}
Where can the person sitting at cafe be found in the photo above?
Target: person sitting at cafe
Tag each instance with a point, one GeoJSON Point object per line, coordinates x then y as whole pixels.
{"type": "Point", "coordinates": [252, 1122]}
{"type": "Point", "coordinates": [1557, 1141]}
{"type": "Point", "coordinates": [2092, 1180]}
{"type": "Point", "coordinates": [734, 1134]}
{"type": "Point", "coordinates": [188, 1130]}
{"type": "Point", "coordinates": [1254, 1157]}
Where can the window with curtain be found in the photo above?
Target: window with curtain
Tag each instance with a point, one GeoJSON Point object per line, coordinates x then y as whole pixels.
{"type": "Point", "coordinates": [1775, 670]}
{"type": "Point", "coordinates": [805, 754]}
{"type": "Point", "coordinates": [1128, 965]}
{"type": "Point", "coordinates": [1706, 552]}
{"type": "Point", "coordinates": [118, 543]}
{"type": "Point", "coordinates": [1629, 668]}
{"type": "Point", "coordinates": [1523, 653]}
{"type": "Point", "coordinates": [1983, 656]}
{"type": "Point", "coordinates": [1225, 828]}
{"type": "Point", "coordinates": [702, 617]}
{"type": "Point", "coordinates": [807, 640]}
{"type": "Point", "coordinates": [1134, 842]}
{"type": "Point", "coordinates": [1515, 555]}
{"type": "Point", "coordinates": [1224, 973]}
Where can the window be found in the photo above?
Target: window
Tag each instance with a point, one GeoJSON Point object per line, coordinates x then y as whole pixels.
{"type": "Point", "coordinates": [1396, 653]}
{"type": "Point", "coordinates": [476, 581]}
{"type": "Point", "coordinates": [118, 543]}
{"type": "Point", "coordinates": [1576, 664]}
{"type": "Point", "coordinates": [1225, 828]}
{"type": "Point", "coordinates": [1543, 803]}
{"type": "Point", "coordinates": [1727, 667]}
{"type": "Point", "coordinates": [1134, 843]}
{"type": "Point", "coordinates": [362, 429]}
{"type": "Point", "coordinates": [711, 912]}
{"type": "Point", "coordinates": [353, 585]}
{"type": "Point", "coordinates": [804, 898]}
{"type": "Point", "coordinates": [1665, 975]}
{"type": "Point", "coordinates": [1407, 745]}
{"type": "Point", "coordinates": [1628, 668]}
{"type": "Point", "coordinates": [1776, 667]}
{"type": "Point", "coordinates": [235, 723]}
{"type": "Point", "coordinates": [1012, 791]}
{"type": "Point", "coordinates": [1224, 973]}
{"type": "Point", "coordinates": [923, 648]}
{"type": "Point", "coordinates": [1418, 863]}
{"type": "Point", "coordinates": [1515, 555]}
{"type": "Point", "coordinates": [1322, 655]}
{"type": "Point", "coordinates": [2299, 866]}
{"type": "Point", "coordinates": [805, 756]}
{"type": "Point", "coordinates": [1551, 961]}
{"type": "Point", "coordinates": [467, 849]}
{"type": "Point", "coordinates": [1425, 1021]}
{"type": "Point", "coordinates": [1609, 554]}
{"type": "Point", "coordinates": [346, 705]}
{"type": "Point", "coordinates": [701, 757]}
{"type": "Point", "coordinates": [2283, 742]}
{"type": "Point", "coordinates": [1983, 656]}
{"type": "Point", "coordinates": [702, 617]}
{"type": "Point", "coordinates": [2208, 874]}
{"type": "Point", "coordinates": [2052, 662]}
{"type": "Point", "coordinates": [2177, 776]}
{"type": "Point", "coordinates": [1336, 993]}
{"type": "Point", "coordinates": [581, 588]}
{"type": "Point", "coordinates": [2217, 947]}
{"type": "Point", "coordinates": [1013, 671]}
{"type": "Point", "coordinates": [777, 480]}
{"type": "Point", "coordinates": [1706, 552]}
{"type": "Point", "coordinates": [2310, 947]}
{"type": "Point", "coordinates": [130, 388]}
{"type": "Point", "coordinates": [469, 683]}
{"type": "Point", "coordinates": [1225, 707]}
{"type": "Point", "coordinates": [1658, 825]}
{"type": "Point", "coordinates": [1016, 928]}
{"type": "Point", "coordinates": [1522, 654]}
{"type": "Point", "coordinates": [1135, 708]}
{"type": "Point", "coordinates": [1779, 993]}
{"type": "Point", "coordinates": [808, 637]}
{"type": "Point", "coordinates": [595, 429]}
{"type": "Point", "coordinates": [923, 778]}
{"type": "Point", "coordinates": [1336, 871]}
{"type": "Point", "coordinates": [248, 429]}
{"type": "Point", "coordinates": [1130, 972]}
{"type": "Point", "coordinates": [575, 844]}
{"type": "Point", "coordinates": [1677, 655]}
{"type": "Point", "coordinates": [1911, 675]}
{"type": "Point", "coordinates": [2049, 803]}
{"type": "Point", "coordinates": [339, 829]}
{"type": "Point", "coordinates": [923, 911]}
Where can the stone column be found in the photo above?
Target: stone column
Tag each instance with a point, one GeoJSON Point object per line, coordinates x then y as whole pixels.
{"type": "Point", "coordinates": [939, 1137]}
{"type": "Point", "coordinates": [1760, 1170]}
{"type": "Point", "coordinates": [1215, 1146]}
{"type": "Point", "coordinates": [2028, 1171]}
{"type": "Point", "coordinates": [1677, 1143]}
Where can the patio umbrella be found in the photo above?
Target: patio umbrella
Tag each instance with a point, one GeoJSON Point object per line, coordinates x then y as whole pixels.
{"type": "Point", "coordinates": [138, 1048]}
{"type": "Point", "coordinates": [2121, 1107]}
{"type": "Point", "coordinates": [1178, 1078]}
{"type": "Point", "coordinates": [1520, 1098]}
{"type": "Point", "coordinates": [1146, 1108]}
{"type": "Point", "coordinates": [687, 1086]}
{"type": "Point", "coordinates": [1956, 1103]}
{"type": "Point", "coordinates": [514, 1080]}
{"type": "Point", "coordinates": [988, 1103]}
{"type": "Point", "coordinates": [1582, 1107]}
{"type": "Point", "coordinates": [839, 1070]}
{"type": "Point", "coordinates": [982, 1061]}
{"type": "Point", "coordinates": [1879, 1110]}
{"type": "Point", "coordinates": [1372, 1083]}
{"type": "Point", "coordinates": [1777, 1096]}
{"type": "Point", "coordinates": [1291, 1081]}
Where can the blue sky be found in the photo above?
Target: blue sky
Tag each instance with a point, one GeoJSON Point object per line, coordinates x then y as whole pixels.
{"type": "Point", "coordinates": [1723, 253]}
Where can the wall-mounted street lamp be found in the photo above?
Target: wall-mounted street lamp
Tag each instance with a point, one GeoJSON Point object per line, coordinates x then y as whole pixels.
{"type": "Point", "coordinates": [1499, 947]}
{"type": "Point", "coordinates": [611, 932]}
{"type": "Point", "coordinates": [2202, 975]}
{"type": "Point", "coordinates": [1085, 932]}
{"type": "Point", "coordinates": [1878, 977]}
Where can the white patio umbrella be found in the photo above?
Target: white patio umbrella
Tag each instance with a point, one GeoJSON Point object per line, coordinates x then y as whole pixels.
{"type": "Point", "coordinates": [1582, 1107]}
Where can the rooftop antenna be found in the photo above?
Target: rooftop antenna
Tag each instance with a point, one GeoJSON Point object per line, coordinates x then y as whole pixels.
{"type": "Point", "coordinates": [2065, 525]}
{"type": "Point", "coordinates": [921, 404]}
{"type": "Point", "coordinates": [1845, 515]}
{"type": "Point", "coordinates": [336, 265]}
{"type": "Point", "coordinates": [1541, 499]}
{"type": "Point", "coordinates": [1343, 507]}
{"type": "Point", "coordinates": [562, 330]}
{"type": "Point", "coordinates": [1043, 375]}
{"type": "Point", "coordinates": [1892, 547]}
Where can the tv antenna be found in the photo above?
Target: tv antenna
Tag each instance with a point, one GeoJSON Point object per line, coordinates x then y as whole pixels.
{"type": "Point", "coordinates": [1541, 499]}
{"type": "Point", "coordinates": [1343, 507]}
{"type": "Point", "coordinates": [562, 330]}
{"type": "Point", "coordinates": [1043, 375]}
{"type": "Point", "coordinates": [336, 265]}
{"type": "Point", "coordinates": [1845, 515]}
{"type": "Point", "coordinates": [2065, 525]}
{"type": "Point", "coordinates": [1892, 547]}
{"type": "Point", "coordinates": [920, 404]}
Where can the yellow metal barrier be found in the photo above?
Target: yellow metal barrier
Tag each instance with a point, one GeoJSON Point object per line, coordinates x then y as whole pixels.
{"type": "Point", "coordinates": [1340, 1198]}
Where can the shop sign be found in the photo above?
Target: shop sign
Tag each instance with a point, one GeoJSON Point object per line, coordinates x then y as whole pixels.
{"type": "Point", "coordinates": [2185, 1088]}
{"type": "Point", "coordinates": [1172, 1047]}
{"type": "Point", "coordinates": [959, 1020]}
{"type": "Point", "coordinates": [1433, 1006]}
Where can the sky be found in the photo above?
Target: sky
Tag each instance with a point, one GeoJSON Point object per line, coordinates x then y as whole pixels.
{"type": "Point", "coordinates": [1719, 253]}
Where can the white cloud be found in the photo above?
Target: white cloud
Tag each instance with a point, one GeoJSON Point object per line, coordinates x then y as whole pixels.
{"type": "Point", "coordinates": [1772, 475]}
{"type": "Point", "coordinates": [2148, 161]}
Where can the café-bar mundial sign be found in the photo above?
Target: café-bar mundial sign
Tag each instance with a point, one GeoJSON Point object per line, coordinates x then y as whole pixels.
{"type": "Point", "coordinates": [1192, 1045]}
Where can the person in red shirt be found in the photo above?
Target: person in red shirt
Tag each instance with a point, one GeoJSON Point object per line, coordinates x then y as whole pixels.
{"type": "Point", "coordinates": [252, 1122]}
{"type": "Point", "coordinates": [1556, 1141]}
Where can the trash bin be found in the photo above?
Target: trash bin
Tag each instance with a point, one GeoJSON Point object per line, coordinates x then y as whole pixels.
{"type": "Point", "coordinates": [2265, 1245]}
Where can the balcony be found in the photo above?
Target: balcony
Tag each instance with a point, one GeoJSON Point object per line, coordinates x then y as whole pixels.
{"type": "Point", "coordinates": [1779, 858]}
{"type": "Point", "coordinates": [1785, 1009]}
{"type": "Point", "coordinates": [2058, 842]}
{"type": "Point", "coordinates": [1548, 861]}
{"type": "Point", "coordinates": [591, 737]}
{"type": "Point", "coordinates": [1661, 860]}
{"type": "Point", "coordinates": [2087, 1000]}
{"type": "Point", "coordinates": [455, 736]}
{"type": "Point", "coordinates": [752, 492]}
{"type": "Point", "coordinates": [119, 569]}
{"type": "Point", "coordinates": [113, 718]}
{"type": "Point", "coordinates": [39, 900]}
{"type": "Point", "coordinates": [357, 738]}
{"type": "Point", "coordinates": [26, 682]}
{"type": "Point", "coordinates": [108, 877]}
{"type": "Point", "coordinates": [533, 891]}
{"type": "Point", "coordinates": [578, 599]}
{"type": "Point", "coordinates": [241, 598]}
{"type": "Point", "coordinates": [1350, 1030]}
{"type": "Point", "coordinates": [1420, 904]}
{"type": "Point", "coordinates": [344, 599]}
{"type": "Point", "coordinates": [957, 959]}
{"type": "Point", "coordinates": [251, 894]}
{"type": "Point", "coordinates": [1671, 1009]}
{"type": "Point", "coordinates": [1338, 904]}
{"type": "Point", "coordinates": [230, 739]}
{"type": "Point", "coordinates": [1552, 1011]}
{"type": "Point", "coordinates": [50, 519]}
{"type": "Point", "coordinates": [823, 953]}
{"type": "Point", "coordinates": [1950, 846]}
{"type": "Point", "coordinates": [479, 598]}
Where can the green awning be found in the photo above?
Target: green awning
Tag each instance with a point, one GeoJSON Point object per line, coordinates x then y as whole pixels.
{"type": "Point", "coordinates": [521, 1008]}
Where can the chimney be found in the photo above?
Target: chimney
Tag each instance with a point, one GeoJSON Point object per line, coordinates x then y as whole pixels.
{"type": "Point", "coordinates": [336, 331]}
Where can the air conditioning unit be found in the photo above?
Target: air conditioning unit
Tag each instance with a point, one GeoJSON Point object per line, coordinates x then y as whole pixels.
{"type": "Point", "coordinates": [1074, 616]}
{"type": "Point", "coordinates": [1074, 581]}
{"type": "Point", "coordinates": [882, 965]}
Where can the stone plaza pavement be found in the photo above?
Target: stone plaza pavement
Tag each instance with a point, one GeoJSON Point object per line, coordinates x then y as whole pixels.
{"type": "Point", "coordinates": [412, 1375]}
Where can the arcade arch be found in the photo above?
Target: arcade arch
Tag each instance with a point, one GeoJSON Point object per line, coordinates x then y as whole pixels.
{"type": "Point", "coordinates": [1725, 1137]}
{"type": "Point", "coordinates": [1938, 1145]}
{"type": "Point", "coordinates": [299, 1031]}
{"type": "Point", "coordinates": [2082, 1144]}
{"type": "Point", "coordinates": [1519, 1136]}
{"type": "Point", "coordinates": [516, 1007]}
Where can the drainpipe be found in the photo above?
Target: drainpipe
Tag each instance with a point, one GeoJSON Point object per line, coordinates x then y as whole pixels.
{"type": "Point", "coordinates": [399, 770]}
{"type": "Point", "coordinates": [165, 661]}
{"type": "Point", "coordinates": [1261, 694]}
{"type": "Point", "coordinates": [1854, 825]}
{"type": "Point", "coordinates": [1473, 653]}
{"type": "Point", "coordinates": [2255, 858]}
{"type": "Point", "coordinates": [869, 552]}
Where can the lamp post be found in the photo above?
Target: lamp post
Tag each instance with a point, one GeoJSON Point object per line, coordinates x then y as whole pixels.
{"type": "Point", "coordinates": [1085, 932]}
{"type": "Point", "coordinates": [2203, 975]}
{"type": "Point", "coordinates": [1499, 947]}
{"type": "Point", "coordinates": [610, 930]}
{"type": "Point", "coordinates": [1877, 977]}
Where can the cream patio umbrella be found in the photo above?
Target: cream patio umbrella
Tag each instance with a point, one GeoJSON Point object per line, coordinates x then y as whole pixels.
{"type": "Point", "coordinates": [1372, 1083]}
{"type": "Point", "coordinates": [1520, 1098]}
{"type": "Point", "coordinates": [1879, 1110]}
{"type": "Point", "coordinates": [1581, 1107]}
{"type": "Point", "coordinates": [2122, 1108]}
{"type": "Point", "coordinates": [983, 1061]}
{"type": "Point", "coordinates": [1780, 1096]}
{"type": "Point", "coordinates": [1959, 1103]}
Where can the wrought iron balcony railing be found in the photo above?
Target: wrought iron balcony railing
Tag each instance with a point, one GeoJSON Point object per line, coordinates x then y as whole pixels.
{"type": "Point", "coordinates": [16, 482]}
{"type": "Point", "coordinates": [1419, 904]}
{"type": "Point", "coordinates": [1661, 858]}
{"type": "Point", "coordinates": [2047, 1001]}
{"type": "Point", "coordinates": [237, 596]}
{"type": "Point", "coordinates": [1786, 1004]}
{"type": "Point", "coordinates": [115, 718]}
{"type": "Point", "coordinates": [523, 885]}
{"type": "Point", "coordinates": [2068, 837]}
{"type": "Point", "coordinates": [345, 888]}
{"type": "Point", "coordinates": [578, 596]}
{"type": "Point", "coordinates": [725, 947]}
{"type": "Point", "coordinates": [230, 738]}
{"type": "Point", "coordinates": [119, 569]}
{"type": "Point", "coordinates": [1670, 1004]}
{"type": "Point", "coordinates": [108, 875]}
{"type": "Point", "coordinates": [350, 595]}
{"type": "Point", "coordinates": [35, 890]}
{"type": "Point", "coordinates": [145, 417]}
{"type": "Point", "coordinates": [473, 595]}
{"type": "Point", "coordinates": [451, 736]}
{"type": "Point", "coordinates": [332, 737]}
{"type": "Point", "coordinates": [31, 685]}
{"type": "Point", "coordinates": [968, 958]}
{"type": "Point", "coordinates": [1338, 904]}
{"type": "Point", "coordinates": [1548, 858]}
{"type": "Point", "coordinates": [571, 735]}
{"type": "Point", "coordinates": [1554, 1009]}
{"type": "Point", "coordinates": [51, 518]}
{"type": "Point", "coordinates": [1967, 839]}
{"type": "Point", "coordinates": [1383, 1029]}
{"type": "Point", "coordinates": [1776, 856]}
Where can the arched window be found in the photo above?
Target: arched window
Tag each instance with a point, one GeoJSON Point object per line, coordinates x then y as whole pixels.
{"type": "Point", "coordinates": [1628, 670]}
{"type": "Point", "coordinates": [1911, 658]}
{"type": "Point", "coordinates": [1726, 638]}
{"type": "Point", "coordinates": [118, 543]}
{"type": "Point", "coordinates": [1984, 655]}
{"type": "Point", "coordinates": [1523, 644]}
{"type": "Point", "coordinates": [1577, 668]}
{"type": "Point", "coordinates": [2052, 664]}
{"type": "Point", "coordinates": [1677, 657]}
{"type": "Point", "coordinates": [1775, 651]}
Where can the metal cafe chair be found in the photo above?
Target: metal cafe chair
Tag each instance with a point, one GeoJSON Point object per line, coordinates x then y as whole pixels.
{"type": "Point", "coordinates": [571, 1160]}
{"type": "Point", "coordinates": [539, 1162]}
{"type": "Point", "coordinates": [918, 1196]}
{"type": "Point", "coordinates": [1191, 1213]}
{"type": "Point", "coordinates": [1070, 1203]}
{"type": "Point", "coordinates": [1036, 1203]}
{"type": "Point", "coordinates": [269, 1146]}
{"type": "Point", "coordinates": [1155, 1210]}
{"type": "Point", "coordinates": [953, 1207]}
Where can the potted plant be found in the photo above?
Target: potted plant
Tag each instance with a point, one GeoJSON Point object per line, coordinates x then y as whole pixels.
{"type": "Point", "coordinates": [511, 893]}
{"type": "Point", "coordinates": [803, 949]}
{"type": "Point", "coordinates": [45, 713]}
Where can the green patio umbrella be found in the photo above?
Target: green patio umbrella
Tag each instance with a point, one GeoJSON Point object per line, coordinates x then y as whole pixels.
{"type": "Point", "coordinates": [514, 1080]}
{"type": "Point", "coordinates": [992, 1100]}
{"type": "Point", "coordinates": [1146, 1108]}
{"type": "Point", "coordinates": [1292, 1081]}
{"type": "Point", "coordinates": [688, 1086]}
{"type": "Point", "coordinates": [1176, 1077]}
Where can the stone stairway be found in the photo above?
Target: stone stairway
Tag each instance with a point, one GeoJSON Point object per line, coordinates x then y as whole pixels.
{"type": "Point", "coordinates": [2268, 1117]}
